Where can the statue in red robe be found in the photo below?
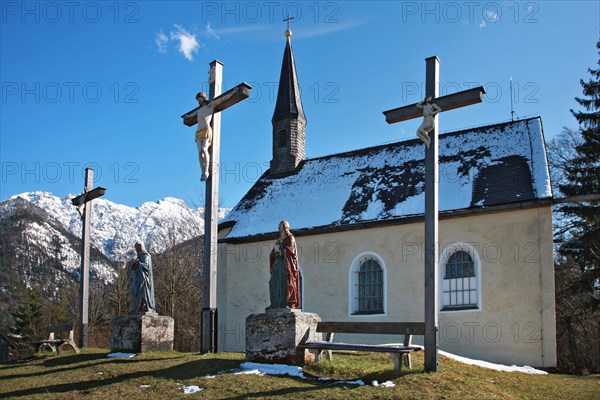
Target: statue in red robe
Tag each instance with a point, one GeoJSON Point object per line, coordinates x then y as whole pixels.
{"type": "Point", "coordinates": [284, 285]}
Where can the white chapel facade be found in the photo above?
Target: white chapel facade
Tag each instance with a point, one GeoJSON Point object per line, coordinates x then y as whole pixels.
{"type": "Point", "coordinates": [358, 222]}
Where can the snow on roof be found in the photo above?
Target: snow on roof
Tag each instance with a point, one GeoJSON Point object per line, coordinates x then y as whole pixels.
{"type": "Point", "coordinates": [479, 167]}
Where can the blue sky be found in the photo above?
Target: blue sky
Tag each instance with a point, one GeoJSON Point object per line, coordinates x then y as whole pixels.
{"type": "Point", "coordinates": [103, 84]}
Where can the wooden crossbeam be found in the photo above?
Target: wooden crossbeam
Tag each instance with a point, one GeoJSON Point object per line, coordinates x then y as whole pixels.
{"type": "Point", "coordinates": [243, 92]}
{"type": "Point", "coordinates": [446, 103]}
{"type": "Point", "coordinates": [88, 196]}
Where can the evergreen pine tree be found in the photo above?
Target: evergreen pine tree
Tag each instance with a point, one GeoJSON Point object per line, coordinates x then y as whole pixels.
{"type": "Point", "coordinates": [578, 265]}
{"type": "Point", "coordinates": [29, 316]}
{"type": "Point", "coordinates": [583, 176]}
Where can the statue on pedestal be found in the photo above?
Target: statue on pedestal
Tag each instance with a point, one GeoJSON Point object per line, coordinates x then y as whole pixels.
{"type": "Point", "coordinates": [284, 285]}
{"type": "Point", "coordinates": [142, 287]}
{"type": "Point", "coordinates": [142, 329]}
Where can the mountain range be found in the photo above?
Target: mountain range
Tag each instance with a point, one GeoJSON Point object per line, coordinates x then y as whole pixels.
{"type": "Point", "coordinates": [40, 234]}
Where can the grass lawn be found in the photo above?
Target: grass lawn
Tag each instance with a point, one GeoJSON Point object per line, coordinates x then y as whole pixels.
{"type": "Point", "coordinates": [91, 375]}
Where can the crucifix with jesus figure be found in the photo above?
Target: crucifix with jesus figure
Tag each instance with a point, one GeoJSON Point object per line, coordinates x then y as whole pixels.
{"type": "Point", "coordinates": [429, 109]}
{"type": "Point", "coordinates": [208, 141]}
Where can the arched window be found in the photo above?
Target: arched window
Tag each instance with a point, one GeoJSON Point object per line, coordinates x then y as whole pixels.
{"type": "Point", "coordinates": [367, 281]}
{"type": "Point", "coordinates": [460, 278]}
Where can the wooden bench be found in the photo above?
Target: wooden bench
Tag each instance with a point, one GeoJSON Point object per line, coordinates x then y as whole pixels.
{"type": "Point", "coordinates": [398, 353]}
{"type": "Point", "coordinates": [59, 336]}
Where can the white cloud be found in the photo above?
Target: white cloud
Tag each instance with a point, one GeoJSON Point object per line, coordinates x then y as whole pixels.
{"type": "Point", "coordinates": [188, 43]}
{"type": "Point", "coordinates": [491, 16]}
{"type": "Point", "coordinates": [209, 32]}
{"type": "Point", "coordinates": [161, 41]}
{"type": "Point", "coordinates": [482, 24]}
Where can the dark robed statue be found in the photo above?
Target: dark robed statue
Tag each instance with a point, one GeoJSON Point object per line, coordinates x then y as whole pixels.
{"type": "Point", "coordinates": [284, 285]}
{"type": "Point", "coordinates": [142, 287]}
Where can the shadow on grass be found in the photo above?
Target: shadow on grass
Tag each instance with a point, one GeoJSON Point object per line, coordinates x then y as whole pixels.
{"type": "Point", "coordinates": [70, 359]}
{"type": "Point", "coordinates": [315, 385]}
{"type": "Point", "coordinates": [189, 370]}
{"type": "Point", "coordinates": [180, 372]}
{"type": "Point", "coordinates": [78, 361]}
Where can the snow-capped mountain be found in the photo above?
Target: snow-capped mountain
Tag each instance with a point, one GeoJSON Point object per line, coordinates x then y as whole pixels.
{"type": "Point", "coordinates": [48, 225]}
{"type": "Point", "coordinates": [115, 227]}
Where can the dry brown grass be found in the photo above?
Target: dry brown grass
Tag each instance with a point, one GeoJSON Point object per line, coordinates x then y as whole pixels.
{"type": "Point", "coordinates": [92, 375]}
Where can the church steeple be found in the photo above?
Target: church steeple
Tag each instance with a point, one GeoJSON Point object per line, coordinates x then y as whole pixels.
{"type": "Point", "coordinates": [289, 121]}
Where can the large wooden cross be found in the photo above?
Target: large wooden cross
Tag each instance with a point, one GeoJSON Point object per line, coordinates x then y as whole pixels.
{"type": "Point", "coordinates": [208, 323]}
{"type": "Point", "coordinates": [446, 103]}
{"type": "Point", "coordinates": [83, 202]}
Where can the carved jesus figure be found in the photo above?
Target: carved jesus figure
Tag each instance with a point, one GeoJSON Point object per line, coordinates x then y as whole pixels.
{"type": "Point", "coordinates": [430, 110]}
{"type": "Point", "coordinates": [204, 133]}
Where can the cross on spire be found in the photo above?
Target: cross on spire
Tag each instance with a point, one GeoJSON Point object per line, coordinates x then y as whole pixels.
{"type": "Point", "coordinates": [288, 32]}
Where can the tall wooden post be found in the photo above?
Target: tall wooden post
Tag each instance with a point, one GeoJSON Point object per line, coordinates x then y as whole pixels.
{"type": "Point", "coordinates": [84, 202]}
{"type": "Point", "coordinates": [84, 287]}
{"type": "Point", "coordinates": [209, 321]}
{"type": "Point", "coordinates": [431, 225]}
{"type": "Point", "coordinates": [446, 103]}
{"type": "Point", "coordinates": [217, 103]}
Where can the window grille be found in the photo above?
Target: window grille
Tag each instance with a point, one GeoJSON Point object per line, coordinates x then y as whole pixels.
{"type": "Point", "coordinates": [460, 282]}
{"type": "Point", "coordinates": [370, 288]}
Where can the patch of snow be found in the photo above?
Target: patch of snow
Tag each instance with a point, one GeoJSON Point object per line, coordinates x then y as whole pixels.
{"type": "Point", "coordinates": [249, 372]}
{"type": "Point", "coordinates": [358, 382]}
{"type": "Point", "coordinates": [373, 211]}
{"type": "Point", "coordinates": [250, 368]}
{"type": "Point", "coordinates": [272, 369]}
{"type": "Point", "coordinates": [318, 194]}
{"type": "Point", "coordinates": [411, 206]}
{"type": "Point", "coordinates": [191, 389]}
{"type": "Point", "coordinates": [498, 367]}
{"type": "Point", "coordinates": [121, 355]}
{"type": "Point", "coordinates": [540, 168]}
{"type": "Point", "coordinates": [384, 384]}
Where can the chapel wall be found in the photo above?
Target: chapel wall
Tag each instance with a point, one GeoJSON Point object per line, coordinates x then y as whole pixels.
{"type": "Point", "coordinates": [517, 283]}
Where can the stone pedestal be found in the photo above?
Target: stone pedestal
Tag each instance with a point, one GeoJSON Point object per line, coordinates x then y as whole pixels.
{"type": "Point", "coordinates": [136, 333]}
{"type": "Point", "coordinates": [274, 336]}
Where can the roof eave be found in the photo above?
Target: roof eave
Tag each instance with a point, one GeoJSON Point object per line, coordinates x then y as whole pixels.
{"type": "Point", "coordinates": [317, 230]}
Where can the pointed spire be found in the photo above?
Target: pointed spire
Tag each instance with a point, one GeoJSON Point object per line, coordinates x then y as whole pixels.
{"type": "Point", "coordinates": [289, 121]}
{"type": "Point", "coordinates": [289, 102]}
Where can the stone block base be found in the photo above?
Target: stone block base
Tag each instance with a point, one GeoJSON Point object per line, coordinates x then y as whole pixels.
{"type": "Point", "coordinates": [136, 333]}
{"type": "Point", "coordinates": [273, 337]}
